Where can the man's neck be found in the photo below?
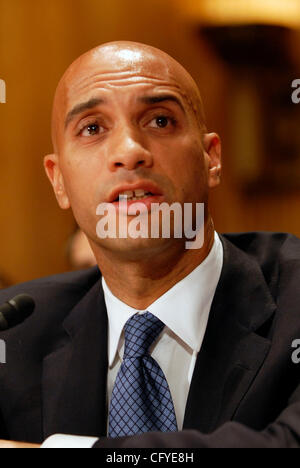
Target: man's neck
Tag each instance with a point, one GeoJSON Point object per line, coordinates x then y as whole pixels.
{"type": "Point", "coordinates": [140, 283]}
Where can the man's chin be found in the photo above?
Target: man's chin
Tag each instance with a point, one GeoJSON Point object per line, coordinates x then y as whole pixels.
{"type": "Point", "coordinates": [136, 249]}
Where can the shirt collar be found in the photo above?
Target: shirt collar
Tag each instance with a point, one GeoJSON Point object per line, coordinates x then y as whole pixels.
{"type": "Point", "coordinates": [190, 298]}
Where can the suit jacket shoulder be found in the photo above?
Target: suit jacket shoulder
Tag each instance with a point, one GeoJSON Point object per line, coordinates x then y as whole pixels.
{"type": "Point", "coordinates": [54, 295]}
{"type": "Point", "coordinates": [276, 253]}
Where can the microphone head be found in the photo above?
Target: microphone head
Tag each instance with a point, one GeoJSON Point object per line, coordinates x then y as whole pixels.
{"type": "Point", "coordinates": [24, 304]}
{"type": "Point", "coordinates": [15, 311]}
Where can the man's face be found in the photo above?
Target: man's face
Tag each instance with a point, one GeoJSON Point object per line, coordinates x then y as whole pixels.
{"type": "Point", "coordinates": [127, 123]}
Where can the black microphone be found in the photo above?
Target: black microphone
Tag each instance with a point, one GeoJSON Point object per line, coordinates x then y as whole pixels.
{"type": "Point", "coordinates": [16, 311]}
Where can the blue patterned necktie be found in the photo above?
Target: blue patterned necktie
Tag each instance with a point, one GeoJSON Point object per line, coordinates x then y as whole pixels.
{"type": "Point", "coordinates": [141, 400]}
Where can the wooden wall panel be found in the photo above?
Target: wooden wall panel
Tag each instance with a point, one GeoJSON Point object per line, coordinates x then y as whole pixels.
{"type": "Point", "coordinates": [38, 40]}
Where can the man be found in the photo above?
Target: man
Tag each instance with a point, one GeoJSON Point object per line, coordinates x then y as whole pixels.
{"type": "Point", "coordinates": [128, 121]}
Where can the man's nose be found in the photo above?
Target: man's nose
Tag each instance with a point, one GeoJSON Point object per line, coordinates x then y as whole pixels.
{"type": "Point", "coordinates": [129, 152]}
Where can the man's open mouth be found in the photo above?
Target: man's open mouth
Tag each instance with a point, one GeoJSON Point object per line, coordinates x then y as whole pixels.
{"type": "Point", "coordinates": [133, 195]}
{"type": "Point", "coordinates": [142, 190]}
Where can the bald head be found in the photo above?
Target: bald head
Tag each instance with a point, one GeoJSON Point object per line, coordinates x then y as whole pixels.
{"type": "Point", "coordinates": [128, 117]}
{"type": "Point", "coordinates": [128, 62]}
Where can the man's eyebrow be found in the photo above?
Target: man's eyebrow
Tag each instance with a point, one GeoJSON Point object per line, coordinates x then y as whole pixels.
{"type": "Point", "coordinates": [161, 98]}
{"type": "Point", "coordinates": [79, 108]}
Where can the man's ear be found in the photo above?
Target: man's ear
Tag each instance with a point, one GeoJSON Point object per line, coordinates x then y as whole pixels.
{"type": "Point", "coordinates": [55, 176]}
{"type": "Point", "coordinates": [212, 149]}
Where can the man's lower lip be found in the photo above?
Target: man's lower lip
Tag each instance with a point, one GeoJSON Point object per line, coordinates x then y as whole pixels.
{"type": "Point", "coordinates": [147, 201]}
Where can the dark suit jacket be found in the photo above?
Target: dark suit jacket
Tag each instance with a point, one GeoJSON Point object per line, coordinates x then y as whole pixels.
{"type": "Point", "coordinates": [245, 391]}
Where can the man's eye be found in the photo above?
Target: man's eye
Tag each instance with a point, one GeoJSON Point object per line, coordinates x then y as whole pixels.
{"type": "Point", "coordinates": [90, 130]}
{"type": "Point", "coordinates": [160, 122]}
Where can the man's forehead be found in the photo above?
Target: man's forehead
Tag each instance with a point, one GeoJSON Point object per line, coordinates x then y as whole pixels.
{"type": "Point", "coordinates": [122, 63]}
{"type": "Point", "coordinates": [136, 58]}
{"type": "Point", "coordinates": [121, 67]}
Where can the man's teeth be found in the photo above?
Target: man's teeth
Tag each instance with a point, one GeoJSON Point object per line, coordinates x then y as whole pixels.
{"type": "Point", "coordinates": [134, 195]}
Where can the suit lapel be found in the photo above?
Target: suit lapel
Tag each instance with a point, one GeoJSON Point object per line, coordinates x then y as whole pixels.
{"type": "Point", "coordinates": [232, 351]}
{"type": "Point", "coordinates": [74, 375]}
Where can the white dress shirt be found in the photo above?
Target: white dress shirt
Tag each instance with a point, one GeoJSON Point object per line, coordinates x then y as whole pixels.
{"type": "Point", "coordinates": [184, 309]}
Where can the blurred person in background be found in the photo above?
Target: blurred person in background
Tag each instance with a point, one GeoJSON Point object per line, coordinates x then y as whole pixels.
{"type": "Point", "coordinates": [4, 282]}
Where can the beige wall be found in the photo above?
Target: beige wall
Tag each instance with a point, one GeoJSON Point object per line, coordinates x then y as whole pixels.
{"type": "Point", "coordinates": [38, 40]}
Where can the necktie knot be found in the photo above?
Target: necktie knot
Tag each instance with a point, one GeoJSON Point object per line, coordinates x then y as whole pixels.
{"type": "Point", "coordinates": [141, 330]}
